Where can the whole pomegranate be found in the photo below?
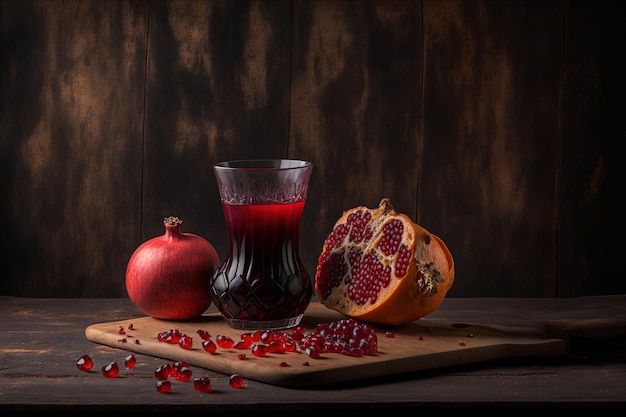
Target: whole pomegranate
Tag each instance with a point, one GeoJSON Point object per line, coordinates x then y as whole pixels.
{"type": "Point", "coordinates": [168, 277]}
{"type": "Point", "coordinates": [378, 266]}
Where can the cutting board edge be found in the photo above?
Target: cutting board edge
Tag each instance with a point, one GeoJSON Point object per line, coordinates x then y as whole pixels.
{"type": "Point", "coordinates": [446, 360]}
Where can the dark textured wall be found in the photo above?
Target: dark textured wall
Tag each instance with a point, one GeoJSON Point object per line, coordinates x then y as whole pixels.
{"type": "Point", "coordinates": [496, 125]}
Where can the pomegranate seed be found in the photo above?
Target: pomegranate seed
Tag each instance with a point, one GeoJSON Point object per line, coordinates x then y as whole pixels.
{"type": "Point", "coordinates": [312, 352]}
{"type": "Point", "coordinates": [267, 336]}
{"type": "Point", "coordinates": [276, 346]}
{"type": "Point", "coordinates": [131, 327]}
{"type": "Point", "coordinates": [281, 337]}
{"type": "Point", "coordinates": [247, 337]}
{"type": "Point", "coordinates": [283, 364]}
{"type": "Point", "coordinates": [163, 386]}
{"type": "Point", "coordinates": [204, 335]}
{"type": "Point", "coordinates": [121, 330]}
{"type": "Point", "coordinates": [348, 337]}
{"type": "Point", "coordinates": [170, 336]}
{"type": "Point", "coordinates": [176, 367]}
{"type": "Point", "coordinates": [84, 363]}
{"type": "Point", "coordinates": [209, 346]}
{"type": "Point", "coordinates": [390, 335]}
{"type": "Point", "coordinates": [123, 340]}
{"type": "Point", "coordinates": [162, 372]}
{"type": "Point", "coordinates": [420, 337]}
{"type": "Point", "coordinates": [224, 342]}
{"type": "Point", "coordinates": [137, 342]}
{"type": "Point", "coordinates": [111, 370]}
{"type": "Point", "coordinates": [297, 336]}
{"type": "Point", "coordinates": [305, 364]}
{"type": "Point", "coordinates": [243, 344]}
{"type": "Point", "coordinates": [242, 357]}
{"type": "Point", "coordinates": [259, 350]}
{"type": "Point", "coordinates": [130, 361]}
{"type": "Point", "coordinates": [184, 374]}
{"type": "Point", "coordinates": [202, 384]}
{"type": "Point", "coordinates": [236, 381]}
{"type": "Point", "coordinates": [185, 342]}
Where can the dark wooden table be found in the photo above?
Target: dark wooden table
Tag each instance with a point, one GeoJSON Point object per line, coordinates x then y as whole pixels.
{"type": "Point", "coordinates": [41, 339]}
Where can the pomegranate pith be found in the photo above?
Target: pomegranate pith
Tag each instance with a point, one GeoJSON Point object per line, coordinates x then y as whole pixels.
{"type": "Point", "coordinates": [379, 266]}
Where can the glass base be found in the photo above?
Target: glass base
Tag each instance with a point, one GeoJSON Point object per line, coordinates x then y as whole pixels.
{"type": "Point", "coordinates": [264, 325]}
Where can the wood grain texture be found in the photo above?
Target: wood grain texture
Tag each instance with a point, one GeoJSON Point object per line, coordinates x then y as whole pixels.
{"type": "Point", "coordinates": [41, 339]}
{"type": "Point", "coordinates": [72, 115]}
{"type": "Point", "coordinates": [496, 125]}
{"type": "Point", "coordinates": [591, 207]}
{"type": "Point", "coordinates": [491, 135]}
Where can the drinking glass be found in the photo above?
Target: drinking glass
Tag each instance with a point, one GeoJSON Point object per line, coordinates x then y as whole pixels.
{"type": "Point", "coordinates": [262, 283]}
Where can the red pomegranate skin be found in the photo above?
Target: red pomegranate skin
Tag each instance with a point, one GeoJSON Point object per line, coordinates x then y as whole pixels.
{"type": "Point", "coordinates": [168, 277]}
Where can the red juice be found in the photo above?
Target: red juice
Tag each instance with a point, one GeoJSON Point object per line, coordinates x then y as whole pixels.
{"type": "Point", "coordinates": [262, 279]}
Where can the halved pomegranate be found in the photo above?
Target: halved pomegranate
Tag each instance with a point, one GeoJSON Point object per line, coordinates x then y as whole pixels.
{"type": "Point", "coordinates": [378, 266]}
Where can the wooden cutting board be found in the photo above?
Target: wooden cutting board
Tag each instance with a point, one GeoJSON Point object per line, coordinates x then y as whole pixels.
{"type": "Point", "coordinates": [421, 345]}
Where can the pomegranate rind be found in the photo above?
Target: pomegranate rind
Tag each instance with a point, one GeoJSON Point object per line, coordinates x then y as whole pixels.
{"type": "Point", "coordinates": [167, 277]}
{"type": "Point", "coordinates": [405, 305]}
{"type": "Point", "coordinates": [407, 287]}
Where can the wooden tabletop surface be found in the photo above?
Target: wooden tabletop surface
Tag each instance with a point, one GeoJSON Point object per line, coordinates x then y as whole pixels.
{"type": "Point", "coordinates": [42, 338]}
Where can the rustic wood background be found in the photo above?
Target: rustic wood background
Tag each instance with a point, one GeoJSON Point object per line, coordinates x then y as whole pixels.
{"type": "Point", "coordinates": [497, 125]}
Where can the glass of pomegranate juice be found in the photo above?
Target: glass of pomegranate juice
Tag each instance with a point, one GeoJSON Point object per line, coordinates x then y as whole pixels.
{"type": "Point", "coordinates": [262, 283]}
